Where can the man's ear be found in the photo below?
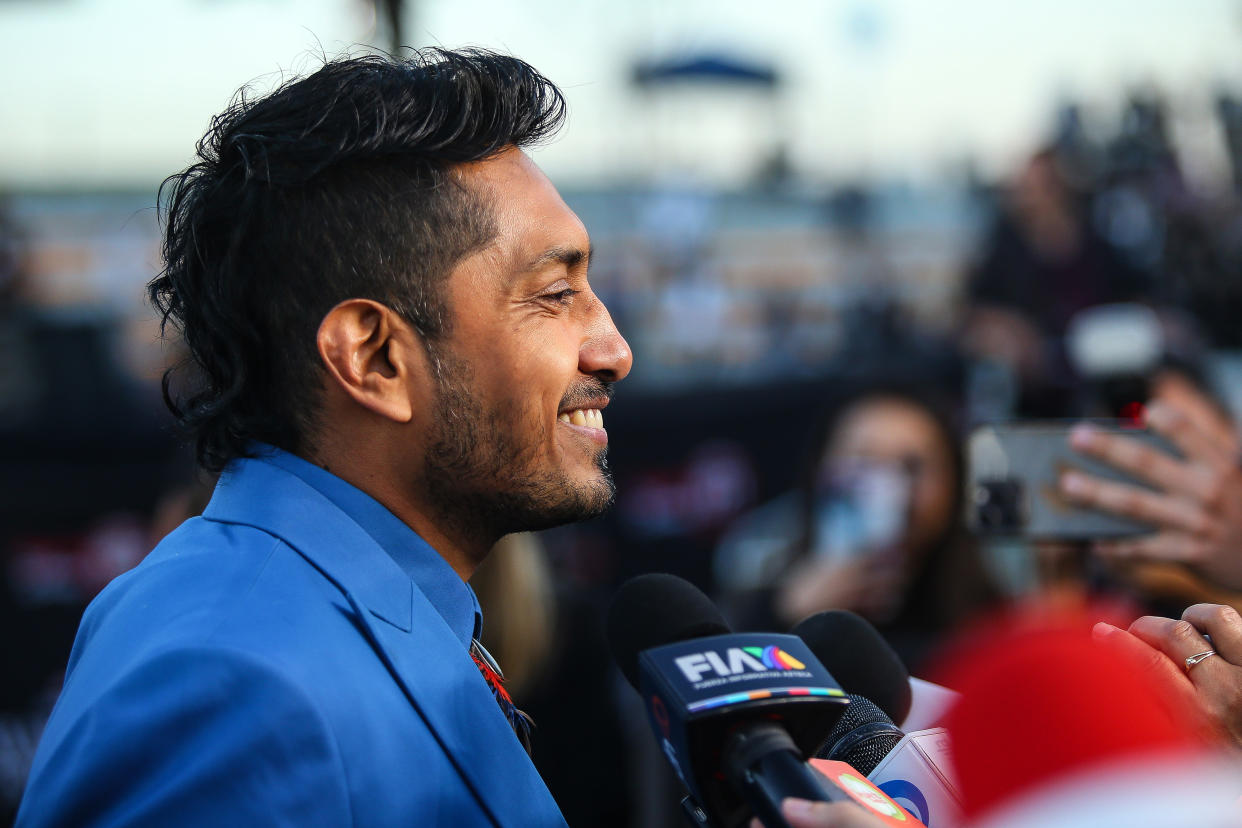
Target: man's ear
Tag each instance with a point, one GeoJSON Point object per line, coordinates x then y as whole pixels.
{"type": "Point", "coordinates": [373, 355]}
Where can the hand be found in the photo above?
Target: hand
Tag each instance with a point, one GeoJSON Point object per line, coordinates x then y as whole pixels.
{"type": "Point", "coordinates": [1197, 509]}
{"type": "Point", "coordinates": [869, 585]}
{"type": "Point", "coordinates": [1212, 686]}
{"type": "Point", "coordinates": [801, 813]}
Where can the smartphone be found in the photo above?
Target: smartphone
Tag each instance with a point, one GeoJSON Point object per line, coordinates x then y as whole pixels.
{"type": "Point", "coordinates": [1012, 478]}
{"type": "Point", "coordinates": [860, 508]}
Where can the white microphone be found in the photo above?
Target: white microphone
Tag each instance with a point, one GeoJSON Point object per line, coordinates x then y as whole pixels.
{"type": "Point", "coordinates": [918, 774]}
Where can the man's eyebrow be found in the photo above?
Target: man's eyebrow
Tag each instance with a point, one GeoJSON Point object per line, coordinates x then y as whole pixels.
{"type": "Point", "coordinates": [571, 257]}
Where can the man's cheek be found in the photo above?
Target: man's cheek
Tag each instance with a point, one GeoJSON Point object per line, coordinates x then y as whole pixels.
{"type": "Point", "coordinates": [553, 353]}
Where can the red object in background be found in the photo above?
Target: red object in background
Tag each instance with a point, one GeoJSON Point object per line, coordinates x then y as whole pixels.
{"type": "Point", "coordinates": [1041, 704]}
{"type": "Point", "coordinates": [1133, 415]}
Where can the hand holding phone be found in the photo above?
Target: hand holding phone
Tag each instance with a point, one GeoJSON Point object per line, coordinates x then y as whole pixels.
{"type": "Point", "coordinates": [1014, 482]}
{"type": "Point", "coordinates": [1195, 500]}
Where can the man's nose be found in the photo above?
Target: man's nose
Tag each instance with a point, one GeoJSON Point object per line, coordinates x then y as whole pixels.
{"type": "Point", "coordinates": [605, 353]}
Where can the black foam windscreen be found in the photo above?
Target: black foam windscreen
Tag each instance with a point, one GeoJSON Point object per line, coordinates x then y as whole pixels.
{"type": "Point", "coordinates": [861, 737]}
{"type": "Point", "coordinates": [656, 609]}
{"type": "Point", "coordinates": [859, 659]}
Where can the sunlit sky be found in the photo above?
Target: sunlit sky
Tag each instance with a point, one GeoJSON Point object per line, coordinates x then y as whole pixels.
{"type": "Point", "coordinates": [108, 93]}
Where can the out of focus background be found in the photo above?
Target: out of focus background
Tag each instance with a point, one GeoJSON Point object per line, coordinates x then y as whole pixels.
{"type": "Point", "coordinates": [836, 233]}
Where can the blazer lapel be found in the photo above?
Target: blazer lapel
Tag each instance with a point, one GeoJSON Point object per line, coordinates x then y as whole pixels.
{"type": "Point", "coordinates": [436, 673]}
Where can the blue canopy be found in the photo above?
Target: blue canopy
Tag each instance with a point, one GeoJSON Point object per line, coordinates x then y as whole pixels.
{"type": "Point", "coordinates": [706, 68]}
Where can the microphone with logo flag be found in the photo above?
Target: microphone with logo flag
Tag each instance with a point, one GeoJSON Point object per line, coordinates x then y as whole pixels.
{"type": "Point", "coordinates": [734, 713]}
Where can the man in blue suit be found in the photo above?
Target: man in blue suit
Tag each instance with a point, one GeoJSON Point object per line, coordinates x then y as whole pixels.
{"type": "Point", "coordinates": [397, 359]}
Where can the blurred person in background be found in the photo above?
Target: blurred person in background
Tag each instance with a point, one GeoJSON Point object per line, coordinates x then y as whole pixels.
{"type": "Point", "coordinates": [879, 526]}
{"type": "Point", "coordinates": [1041, 263]}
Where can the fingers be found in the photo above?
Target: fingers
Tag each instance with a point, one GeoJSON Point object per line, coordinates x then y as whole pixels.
{"type": "Point", "coordinates": [1150, 659]}
{"type": "Point", "coordinates": [1207, 417]}
{"type": "Point", "coordinates": [1176, 639]}
{"type": "Point", "coordinates": [815, 584]}
{"type": "Point", "coordinates": [1147, 462]}
{"type": "Point", "coordinates": [1170, 511]}
{"type": "Point", "coordinates": [1179, 640]}
{"type": "Point", "coordinates": [1184, 697]}
{"type": "Point", "coordinates": [1215, 678]}
{"type": "Point", "coordinates": [804, 814]}
{"type": "Point", "coordinates": [1167, 545]}
{"type": "Point", "coordinates": [1223, 624]}
{"type": "Point", "coordinates": [1188, 434]}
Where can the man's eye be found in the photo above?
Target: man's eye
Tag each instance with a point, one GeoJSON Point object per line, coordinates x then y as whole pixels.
{"type": "Point", "coordinates": [561, 297]}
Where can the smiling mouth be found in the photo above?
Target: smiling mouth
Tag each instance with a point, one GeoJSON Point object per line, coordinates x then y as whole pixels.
{"type": "Point", "coordinates": [589, 417]}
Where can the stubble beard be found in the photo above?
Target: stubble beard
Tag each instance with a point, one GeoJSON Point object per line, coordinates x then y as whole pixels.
{"type": "Point", "coordinates": [486, 484]}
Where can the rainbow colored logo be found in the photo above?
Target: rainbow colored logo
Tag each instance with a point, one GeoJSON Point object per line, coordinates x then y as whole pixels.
{"type": "Point", "coordinates": [774, 658]}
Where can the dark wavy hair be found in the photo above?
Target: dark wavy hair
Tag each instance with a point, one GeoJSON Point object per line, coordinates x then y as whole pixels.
{"type": "Point", "coordinates": [333, 186]}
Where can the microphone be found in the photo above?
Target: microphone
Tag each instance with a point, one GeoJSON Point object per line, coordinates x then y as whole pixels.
{"type": "Point", "coordinates": [862, 737]}
{"type": "Point", "coordinates": [913, 768]}
{"type": "Point", "coordinates": [734, 713]}
{"type": "Point", "coordinates": [859, 658]}
{"type": "Point", "coordinates": [867, 666]}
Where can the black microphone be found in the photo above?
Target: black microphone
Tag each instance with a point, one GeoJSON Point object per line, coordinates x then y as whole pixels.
{"type": "Point", "coordinates": [657, 609]}
{"type": "Point", "coordinates": [914, 769]}
{"type": "Point", "coordinates": [859, 659]}
{"type": "Point", "coordinates": [862, 737]}
{"type": "Point", "coordinates": [734, 713]}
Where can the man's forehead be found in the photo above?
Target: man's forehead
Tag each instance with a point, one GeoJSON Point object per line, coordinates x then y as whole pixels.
{"type": "Point", "coordinates": [532, 220]}
{"type": "Point", "coordinates": [510, 162]}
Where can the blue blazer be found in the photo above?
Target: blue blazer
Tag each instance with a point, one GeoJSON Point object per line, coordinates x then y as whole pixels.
{"type": "Point", "coordinates": [270, 664]}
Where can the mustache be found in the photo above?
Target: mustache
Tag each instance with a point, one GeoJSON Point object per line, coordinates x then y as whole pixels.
{"type": "Point", "coordinates": [590, 390]}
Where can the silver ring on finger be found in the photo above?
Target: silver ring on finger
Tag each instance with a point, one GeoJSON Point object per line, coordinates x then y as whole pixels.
{"type": "Point", "coordinates": [1191, 661]}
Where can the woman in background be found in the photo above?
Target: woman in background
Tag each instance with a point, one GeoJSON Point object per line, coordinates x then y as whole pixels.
{"type": "Point", "coordinates": [879, 526]}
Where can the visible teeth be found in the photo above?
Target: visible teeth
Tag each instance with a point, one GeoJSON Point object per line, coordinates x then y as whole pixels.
{"type": "Point", "coordinates": [591, 417]}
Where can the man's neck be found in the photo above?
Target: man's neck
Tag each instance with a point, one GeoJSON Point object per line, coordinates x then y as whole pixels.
{"type": "Point", "coordinates": [462, 545]}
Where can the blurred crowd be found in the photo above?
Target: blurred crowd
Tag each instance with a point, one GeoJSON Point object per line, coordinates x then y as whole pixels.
{"type": "Point", "coordinates": [792, 438]}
